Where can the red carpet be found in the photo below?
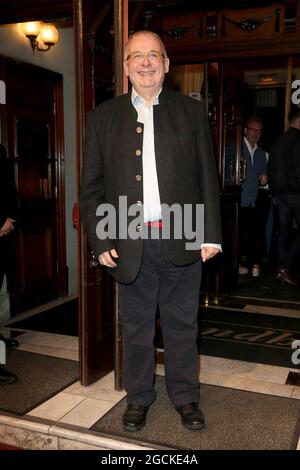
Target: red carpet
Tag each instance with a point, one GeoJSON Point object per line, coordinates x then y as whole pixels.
{"type": "Point", "coordinates": [6, 447]}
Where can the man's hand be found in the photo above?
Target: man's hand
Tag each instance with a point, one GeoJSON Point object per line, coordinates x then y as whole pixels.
{"type": "Point", "coordinates": [208, 252]}
{"type": "Point", "coordinates": [7, 227]}
{"type": "Point", "coordinates": [106, 258]}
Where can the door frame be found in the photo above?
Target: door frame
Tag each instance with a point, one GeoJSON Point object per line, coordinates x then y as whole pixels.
{"type": "Point", "coordinates": [57, 121]}
{"type": "Point", "coordinates": [90, 277]}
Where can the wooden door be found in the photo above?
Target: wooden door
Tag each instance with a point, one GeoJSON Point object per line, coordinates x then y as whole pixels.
{"type": "Point", "coordinates": [35, 144]}
{"type": "Point", "coordinates": [225, 121]}
{"type": "Point", "coordinates": [97, 294]}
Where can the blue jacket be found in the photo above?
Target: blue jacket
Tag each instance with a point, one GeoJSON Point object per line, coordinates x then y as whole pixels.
{"type": "Point", "coordinates": [254, 171]}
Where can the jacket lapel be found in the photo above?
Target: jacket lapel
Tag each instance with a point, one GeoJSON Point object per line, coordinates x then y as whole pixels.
{"type": "Point", "coordinates": [129, 106]}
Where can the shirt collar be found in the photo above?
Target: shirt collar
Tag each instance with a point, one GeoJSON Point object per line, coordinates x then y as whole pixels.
{"type": "Point", "coordinates": [136, 98]}
{"type": "Point", "coordinates": [251, 149]}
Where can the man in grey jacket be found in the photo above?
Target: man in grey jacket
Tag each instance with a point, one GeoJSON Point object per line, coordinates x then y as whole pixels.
{"type": "Point", "coordinates": [152, 147]}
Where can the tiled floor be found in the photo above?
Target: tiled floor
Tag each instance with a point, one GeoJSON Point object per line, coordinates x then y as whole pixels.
{"type": "Point", "coordinates": [63, 422]}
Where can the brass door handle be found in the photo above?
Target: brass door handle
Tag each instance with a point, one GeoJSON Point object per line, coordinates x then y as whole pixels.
{"type": "Point", "coordinates": [243, 170]}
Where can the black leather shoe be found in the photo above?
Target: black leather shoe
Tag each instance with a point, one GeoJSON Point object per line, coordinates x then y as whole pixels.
{"type": "Point", "coordinates": [9, 343]}
{"type": "Point", "coordinates": [285, 278]}
{"type": "Point", "coordinates": [7, 377]}
{"type": "Point", "coordinates": [191, 417]}
{"type": "Point", "coordinates": [134, 417]}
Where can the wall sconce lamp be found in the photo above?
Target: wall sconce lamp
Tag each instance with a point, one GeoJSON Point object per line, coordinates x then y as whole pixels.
{"type": "Point", "coordinates": [40, 33]}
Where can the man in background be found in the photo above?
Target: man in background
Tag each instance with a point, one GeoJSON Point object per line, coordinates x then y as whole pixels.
{"type": "Point", "coordinates": [8, 213]}
{"type": "Point", "coordinates": [284, 172]}
{"type": "Point", "coordinates": [251, 232]}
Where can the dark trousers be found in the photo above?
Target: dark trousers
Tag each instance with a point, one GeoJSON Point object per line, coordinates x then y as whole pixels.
{"type": "Point", "coordinates": [263, 207]}
{"type": "Point", "coordinates": [6, 259]}
{"type": "Point", "coordinates": [252, 228]}
{"type": "Point", "coordinates": [288, 209]}
{"type": "Point", "coordinates": [175, 289]}
{"type": "Point", "coordinates": [249, 239]}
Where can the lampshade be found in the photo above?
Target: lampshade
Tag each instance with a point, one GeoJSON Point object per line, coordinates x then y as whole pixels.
{"type": "Point", "coordinates": [49, 35]}
{"type": "Point", "coordinates": [32, 28]}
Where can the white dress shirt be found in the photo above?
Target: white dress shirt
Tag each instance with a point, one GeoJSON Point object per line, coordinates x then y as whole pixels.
{"type": "Point", "coordinates": [251, 150]}
{"type": "Point", "coordinates": [151, 197]}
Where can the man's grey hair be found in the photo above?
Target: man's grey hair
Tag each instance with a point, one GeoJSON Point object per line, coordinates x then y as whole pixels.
{"type": "Point", "coordinates": [140, 33]}
{"type": "Point", "coordinates": [256, 119]}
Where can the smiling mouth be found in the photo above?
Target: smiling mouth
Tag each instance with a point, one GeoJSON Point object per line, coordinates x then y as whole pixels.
{"type": "Point", "coordinates": [148, 72]}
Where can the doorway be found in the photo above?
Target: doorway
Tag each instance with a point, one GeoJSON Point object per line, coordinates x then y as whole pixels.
{"type": "Point", "coordinates": [32, 130]}
{"type": "Point", "coordinates": [234, 90]}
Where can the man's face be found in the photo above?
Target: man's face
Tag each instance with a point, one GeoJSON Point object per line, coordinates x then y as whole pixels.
{"type": "Point", "coordinates": [253, 132]}
{"type": "Point", "coordinates": [145, 66]}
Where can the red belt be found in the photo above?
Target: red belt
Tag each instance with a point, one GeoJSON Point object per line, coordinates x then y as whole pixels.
{"type": "Point", "coordinates": [155, 223]}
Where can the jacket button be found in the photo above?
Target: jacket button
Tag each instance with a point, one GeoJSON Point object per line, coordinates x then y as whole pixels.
{"type": "Point", "coordinates": [138, 178]}
{"type": "Point", "coordinates": [139, 130]}
{"type": "Point", "coordinates": [138, 152]}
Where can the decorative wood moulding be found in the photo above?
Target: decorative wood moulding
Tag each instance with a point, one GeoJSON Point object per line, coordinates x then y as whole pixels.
{"type": "Point", "coordinates": [177, 32]}
{"type": "Point", "coordinates": [241, 26]}
{"type": "Point", "coordinates": [206, 50]}
{"type": "Point", "coordinates": [246, 25]}
{"type": "Point", "coordinates": [251, 24]}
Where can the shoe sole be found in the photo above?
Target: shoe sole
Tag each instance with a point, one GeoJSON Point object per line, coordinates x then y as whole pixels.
{"type": "Point", "coordinates": [12, 381]}
{"type": "Point", "coordinates": [194, 427]}
{"type": "Point", "coordinates": [283, 282]}
{"type": "Point", "coordinates": [134, 428]}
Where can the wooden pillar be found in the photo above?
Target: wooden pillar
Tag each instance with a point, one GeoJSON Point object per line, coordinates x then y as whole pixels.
{"type": "Point", "coordinates": [121, 87]}
{"type": "Point", "coordinates": [3, 108]}
{"type": "Point", "coordinates": [298, 16]}
{"type": "Point", "coordinates": [220, 120]}
{"type": "Point", "coordinates": [288, 91]}
{"type": "Point", "coordinates": [120, 39]}
{"type": "Point", "coordinates": [78, 25]}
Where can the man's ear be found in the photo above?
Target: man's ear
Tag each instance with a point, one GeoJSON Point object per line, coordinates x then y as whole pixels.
{"type": "Point", "coordinates": [126, 68]}
{"type": "Point", "coordinates": [166, 65]}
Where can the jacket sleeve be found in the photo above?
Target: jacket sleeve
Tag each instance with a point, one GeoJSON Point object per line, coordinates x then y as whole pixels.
{"type": "Point", "coordinates": [9, 206]}
{"type": "Point", "coordinates": [296, 161]}
{"type": "Point", "coordinates": [275, 168]}
{"type": "Point", "coordinates": [265, 165]}
{"type": "Point", "coordinates": [92, 190]}
{"type": "Point", "coordinates": [209, 185]}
